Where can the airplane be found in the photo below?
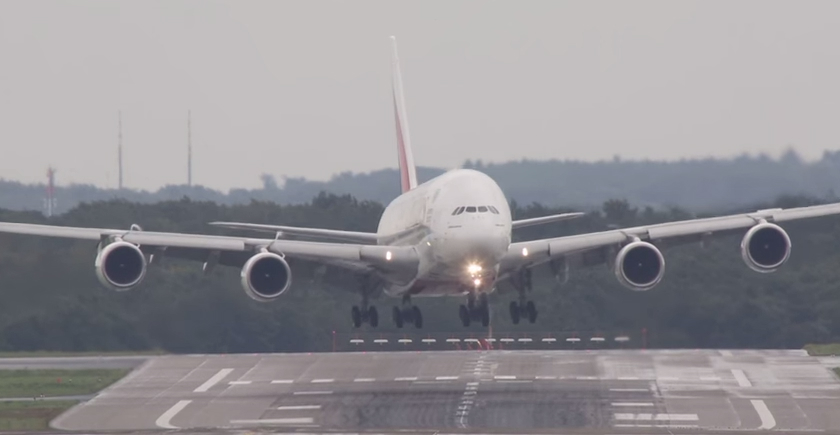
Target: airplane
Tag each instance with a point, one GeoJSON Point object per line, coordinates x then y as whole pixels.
{"type": "Point", "coordinates": [449, 236]}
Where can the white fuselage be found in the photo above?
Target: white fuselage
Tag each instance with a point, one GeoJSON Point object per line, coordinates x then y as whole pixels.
{"type": "Point", "coordinates": [460, 223]}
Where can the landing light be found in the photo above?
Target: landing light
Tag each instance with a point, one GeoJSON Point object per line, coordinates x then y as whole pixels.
{"type": "Point", "coordinates": [474, 268]}
{"type": "Point", "coordinates": [388, 255]}
{"type": "Point", "coordinates": [477, 282]}
{"type": "Point", "coordinates": [524, 252]}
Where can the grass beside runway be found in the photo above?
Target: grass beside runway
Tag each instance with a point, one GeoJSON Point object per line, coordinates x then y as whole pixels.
{"type": "Point", "coordinates": [31, 415]}
{"type": "Point", "coordinates": [37, 412]}
{"type": "Point", "coordinates": [33, 383]}
{"type": "Point", "coordinates": [56, 354]}
{"type": "Point", "coordinates": [823, 349]}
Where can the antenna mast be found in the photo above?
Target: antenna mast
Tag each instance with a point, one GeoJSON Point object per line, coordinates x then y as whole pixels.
{"type": "Point", "coordinates": [189, 148]}
{"type": "Point", "coordinates": [119, 148]}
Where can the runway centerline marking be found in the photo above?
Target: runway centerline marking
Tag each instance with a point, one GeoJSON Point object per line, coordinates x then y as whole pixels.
{"type": "Point", "coordinates": [239, 383]}
{"type": "Point", "coordinates": [632, 404]}
{"type": "Point", "coordinates": [303, 393]}
{"type": "Point", "coordinates": [364, 380]}
{"type": "Point", "coordinates": [164, 420]}
{"type": "Point", "coordinates": [410, 378]}
{"type": "Point", "coordinates": [446, 378]}
{"type": "Point", "coordinates": [282, 381]}
{"type": "Point", "coordinates": [290, 420]}
{"type": "Point", "coordinates": [322, 381]}
{"type": "Point", "coordinates": [657, 417]}
{"type": "Point", "coordinates": [504, 377]}
{"type": "Point", "coordinates": [298, 407]}
{"type": "Point", "coordinates": [741, 378]}
{"type": "Point", "coordinates": [215, 379]}
{"type": "Point", "coordinates": [767, 420]}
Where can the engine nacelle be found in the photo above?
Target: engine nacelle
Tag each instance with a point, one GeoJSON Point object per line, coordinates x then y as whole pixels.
{"type": "Point", "coordinates": [266, 276]}
{"type": "Point", "coordinates": [639, 266]}
{"type": "Point", "coordinates": [765, 247]}
{"type": "Point", "coordinates": [120, 265]}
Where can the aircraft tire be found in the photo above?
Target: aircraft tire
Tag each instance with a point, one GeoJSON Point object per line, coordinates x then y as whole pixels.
{"type": "Point", "coordinates": [356, 315]}
{"type": "Point", "coordinates": [373, 317]}
{"type": "Point", "coordinates": [464, 314]}
{"type": "Point", "coordinates": [418, 317]}
{"type": "Point", "coordinates": [514, 313]}
{"type": "Point", "coordinates": [396, 314]}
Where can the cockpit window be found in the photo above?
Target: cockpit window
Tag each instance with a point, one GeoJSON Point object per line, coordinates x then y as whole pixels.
{"type": "Point", "coordinates": [493, 209]}
{"type": "Point", "coordinates": [470, 209]}
{"type": "Point", "coordinates": [458, 210]}
{"type": "Point", "coordinates": [482, 209]}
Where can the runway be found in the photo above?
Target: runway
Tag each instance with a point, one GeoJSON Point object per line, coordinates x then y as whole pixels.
{"type": "Point", "coordinates": [617, 391]}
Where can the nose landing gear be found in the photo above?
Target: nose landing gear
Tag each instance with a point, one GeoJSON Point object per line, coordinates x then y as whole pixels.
{"type": "Point", "coordinates": [475, 310]}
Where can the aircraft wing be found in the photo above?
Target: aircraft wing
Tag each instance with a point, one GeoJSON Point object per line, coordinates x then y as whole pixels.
{"type": "Point", "coordinates": [314, 233]}
{"type": "Point", "coordinates": [236, 249]}
{"type": "Point", "coordinates": [531, 253]}
{"type": "Point", "coordinates": [522, 223]}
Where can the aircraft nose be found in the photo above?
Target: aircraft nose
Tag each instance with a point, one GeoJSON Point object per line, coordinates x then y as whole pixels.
{"type": "Point", "coordinates": [484, 245]}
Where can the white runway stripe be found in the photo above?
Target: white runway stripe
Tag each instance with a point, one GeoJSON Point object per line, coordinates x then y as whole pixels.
{"type": "Point", "coordinates": [657, 417]}
{"type": "Point", "coordinates": [298, 407]}
{"type": "Point", "coordinates": [213, 380]}
{"type": "Point", "coordinates": [767, 419]}
{"type": "Point", "coordinates": [446, 378]}
{"type": "Point", "coordinates": [364, 380]}
{"type": "Point", "coordinates": [304, 393]}
{"type": "Point", "coordinates": [410, 378]}
{"type": "Point", "coordinates": [630, 390]}
{"type": "Point", "coordinates": [282, 381]}
{"type": "Point", "coordinates": [164, 420]}
{"type": "Point", "coordinates": [293, 420]}
{"type": "Point", "coordinates": [632, 404]}
{"type": "Point", "coordinates": [239, 382]}
{"type": "Point", "coordinates": [504, 377]}
{"type": "Point", "coordinates": [741, 378]}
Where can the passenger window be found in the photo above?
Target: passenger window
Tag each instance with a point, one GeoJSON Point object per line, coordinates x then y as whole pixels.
{"type": "Point", "coordinates": [482, 209]}
{"type": "Point", "coordinates": [470, 209]}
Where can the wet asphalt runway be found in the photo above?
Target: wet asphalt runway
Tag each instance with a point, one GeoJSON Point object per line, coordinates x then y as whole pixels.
{"type": "Point", "coordinates": [618, 391]}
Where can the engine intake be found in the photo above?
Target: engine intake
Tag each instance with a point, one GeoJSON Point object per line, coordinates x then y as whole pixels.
{"type": "Point", "coordinates": [639, 266]}
{"type": "Point", "coordinates": [120, 265]}
{"type": "Point", "coordinates": [266, 276]}
{"type": "Point", "coordinates": [765, 247]}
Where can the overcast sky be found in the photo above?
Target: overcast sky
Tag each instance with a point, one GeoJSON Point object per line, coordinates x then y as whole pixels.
{"type": "Point", "coordinates": [302, 87]}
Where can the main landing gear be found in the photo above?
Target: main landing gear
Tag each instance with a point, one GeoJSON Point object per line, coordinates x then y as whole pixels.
{"type": "Point", "coordinates": [366, 313]}
{"type": "Point", "coordinates": [523, 308]}
{"type": "Point", "coordinates": [476, 309]}
{"type": "Point", "coordinates": [408, 313]}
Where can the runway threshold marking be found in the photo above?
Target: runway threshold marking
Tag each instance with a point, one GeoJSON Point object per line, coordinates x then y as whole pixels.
{"type": "Point", "coordinates": [767, 419]}
{"type": "Point", "coordinates": [215, 379]}
{"type": "Point", "coordinates": [164, 420]}
{"type": "Point", "coordinates": [741, 378]}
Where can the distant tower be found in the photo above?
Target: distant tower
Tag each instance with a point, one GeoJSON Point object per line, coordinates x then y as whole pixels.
{"type": "Point", "coordinates": [189, 148]}
{"type": "Point", "coordinates": [50, 202]}
{"type": "Point", "coordinates": [119, 148]}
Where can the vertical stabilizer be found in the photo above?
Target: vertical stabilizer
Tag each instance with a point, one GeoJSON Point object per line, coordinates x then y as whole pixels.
{"type": "Point", "coordinates": [408, 174]}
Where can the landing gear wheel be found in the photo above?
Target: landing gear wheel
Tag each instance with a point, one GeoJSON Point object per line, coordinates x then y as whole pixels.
{"type": "Point", "coordinates": [373, 317]}
{"type": "Point", "coordinates": [397, 316]}
{"type": "Point", "coordinates": [464, 314]}
{"type": "Point", "coordinates": [418, 317]}
{"type": "Point", "coordinates": [514, 313]}
{"type": "Point", "coordinates": [356, 315]}
{"type": "Point", "coordinates": [531, 309]}
{"type": "Point", "coordinates": [484, 306]}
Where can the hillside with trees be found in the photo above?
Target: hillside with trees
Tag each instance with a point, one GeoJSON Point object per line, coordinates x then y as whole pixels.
{"type": "Point", "coordinates": [51, 300]}
{"type": "Point", "coordinates": [703, 185]}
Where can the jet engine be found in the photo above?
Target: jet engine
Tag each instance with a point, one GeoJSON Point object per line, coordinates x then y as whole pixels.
{"type": "Point", "coordinates": [639, 266]}
{"type": "Point", "coordinates": [120, 265]}
{"type": "Point", "coordinates": [266, 276]}
{"type": "Point", "coordinates": [765, 247]}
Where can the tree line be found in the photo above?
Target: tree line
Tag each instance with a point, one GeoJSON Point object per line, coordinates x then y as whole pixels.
{"type": "Point", "coordinates": [700, 185]}
{"type": "Point", "coordinates": [51, 300]}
